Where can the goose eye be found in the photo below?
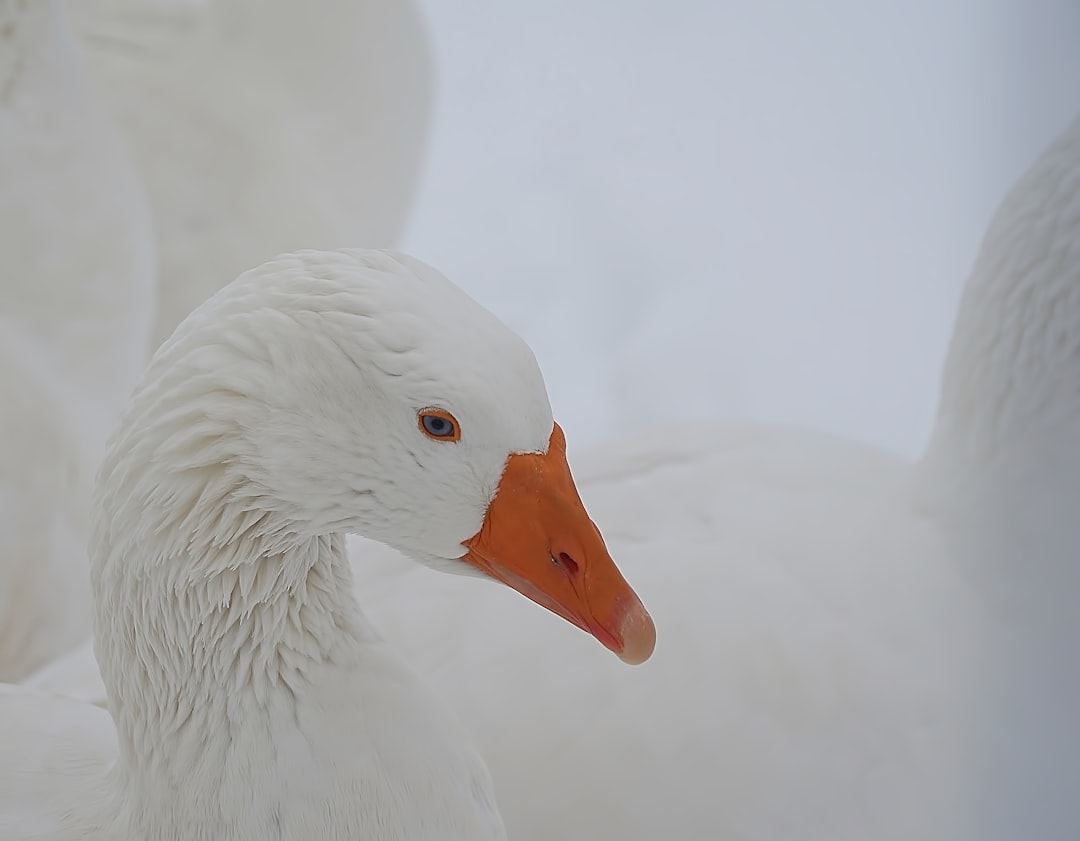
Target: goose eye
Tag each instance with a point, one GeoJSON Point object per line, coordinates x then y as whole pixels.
{"type": "Point", "coordinates": [439, 425]}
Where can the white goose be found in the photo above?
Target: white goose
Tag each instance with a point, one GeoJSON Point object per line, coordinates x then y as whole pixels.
{"type": "Point", "coordinates": [320, 394]}
{"type": "Point", "coordinates": [75, 313]}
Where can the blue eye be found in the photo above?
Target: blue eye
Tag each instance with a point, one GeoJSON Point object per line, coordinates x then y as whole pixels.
{"type": "Point", "coordinates": [439, 425]}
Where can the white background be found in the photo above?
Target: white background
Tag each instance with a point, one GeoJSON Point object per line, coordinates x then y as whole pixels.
{"type": "Point", "coordinates": [718, 209]}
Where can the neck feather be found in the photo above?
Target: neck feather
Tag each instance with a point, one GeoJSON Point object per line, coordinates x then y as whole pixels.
{"type": "Point", "coordinates": [252, 700]}
{"type": "Point", "coordinates": [210, 614]}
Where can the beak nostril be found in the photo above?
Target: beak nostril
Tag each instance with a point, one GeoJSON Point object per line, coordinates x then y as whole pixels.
{"type": "Point", "coordinates": [567, 563]}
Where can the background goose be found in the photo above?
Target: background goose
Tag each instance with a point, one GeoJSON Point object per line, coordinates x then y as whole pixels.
{"type": "Point", "coordinates": [75, 316]}
{"type": "Point", "coordinates": [250, 696]}
{"type": "Point", "coordinates": [150, 152]}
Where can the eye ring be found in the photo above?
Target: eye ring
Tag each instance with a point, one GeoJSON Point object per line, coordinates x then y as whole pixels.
{"type": "Point", "coordinates": [438, 424]}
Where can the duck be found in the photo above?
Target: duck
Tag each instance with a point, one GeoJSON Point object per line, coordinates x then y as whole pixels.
{"type": "Point", "coordinates": [320, 394]}
{"type": "Point", "coordinates": [76, 302]}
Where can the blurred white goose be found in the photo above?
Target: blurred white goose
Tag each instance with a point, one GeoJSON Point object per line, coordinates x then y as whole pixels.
{"type": "Point", "coordinates": [255, 128]}
{"type": "Point", "coordinates": [75, 315]}
{"type": "Point", "coordinates": [854, 647]}
{"type": "Point", "coordinates": [320, 394]}
{"type": "Point", "coordinates": [259, 128]}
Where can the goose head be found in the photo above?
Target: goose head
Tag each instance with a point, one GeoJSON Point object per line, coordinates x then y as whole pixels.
{"type": "Point", "coordinates": [358, 392]}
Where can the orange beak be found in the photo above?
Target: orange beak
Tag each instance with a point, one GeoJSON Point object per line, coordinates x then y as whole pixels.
{"type": "Point", "coordinates": [538, 539]}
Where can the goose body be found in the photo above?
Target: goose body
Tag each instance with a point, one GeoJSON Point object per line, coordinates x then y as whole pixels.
{"type": "Point", "coordinates": [808, 692]}
{"type": "Point", "coordinates": [402, 768]}
{"type": "Point", "coordinates": [855, 646]}
{"type": "Point", "coordinates": [248, 697]}
{"type": "Point", "coordinates": [762, 715]}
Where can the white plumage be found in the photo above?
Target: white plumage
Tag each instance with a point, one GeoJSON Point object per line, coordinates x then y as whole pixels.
{"type": "Point", "coordinates": [149, 152]}
{"type": "Point", "coordinates": [251, 698]}
{"type": "Point", "coordinates": [852, 646]}
{"type": "Point", "coordinates": [75, 318]}
{"type": "Point", "coordinates": [259, 128]}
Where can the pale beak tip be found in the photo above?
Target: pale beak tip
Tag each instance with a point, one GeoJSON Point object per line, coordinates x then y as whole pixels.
{"type": "Point", "coordinates": [637, 633]}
